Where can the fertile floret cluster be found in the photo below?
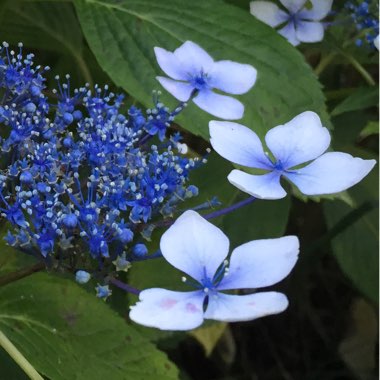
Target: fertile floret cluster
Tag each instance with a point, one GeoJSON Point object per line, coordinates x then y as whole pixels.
{"type": "Point", "coordinates": [365, 15]}
{"type": "Point", "coordinates": [79, 176]}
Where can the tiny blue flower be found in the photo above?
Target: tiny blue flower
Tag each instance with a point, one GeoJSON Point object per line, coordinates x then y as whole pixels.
{"type": "Point", "coordinates": [103, 291]}
{"type": "Point", "coordinates": [121, 263]}
{"type": "Point", "coordinates": [300, 23]}
{"type": "Point", "coordinates": [297, 142]}
{"type": "Point", "coordinates": [199, 249]}
{"type": "Point", "coordinates": [82, 276]}
{"type": "Point", "coordinates": [194, 72]}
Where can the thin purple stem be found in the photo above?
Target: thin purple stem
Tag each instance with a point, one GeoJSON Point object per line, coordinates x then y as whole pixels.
{"type": "Point", "coordinates": [229, 209]}
{"type": "Point", "coordinates": [124, 286]}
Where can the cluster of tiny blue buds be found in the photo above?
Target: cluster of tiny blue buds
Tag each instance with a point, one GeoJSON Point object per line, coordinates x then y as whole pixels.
{"type": "Point", "coordinates": [365, 15]}
{"type": "Point", "coordinates": [80, 181]}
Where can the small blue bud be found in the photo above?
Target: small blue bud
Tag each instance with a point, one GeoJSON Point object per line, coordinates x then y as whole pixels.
{"type": "Point", "coordinates": [35, 90]}
{"type": "Point", "coordinates": [82, 276]}
{"type": "Point", "coordinates": [67, 142]}
{"type": "Point", "coordinates": [26, 177]}
{"type": "Point", "coordinates": [70, 220]}
{"type": "Point", "coordinates": [67, 118]}
{"type": "Point", "coordinates": [140, 250]}
{"type": "Point", "coordinates": [30, 107]}
{"type": "Point", "coordinates": [126, 235]}
{"type": "Point", "coordinates": [77, 115]}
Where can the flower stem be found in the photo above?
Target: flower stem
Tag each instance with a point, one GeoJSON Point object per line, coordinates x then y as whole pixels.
{"type": "Point", "coordinates": [18, 357]}
{"type": "Point", "coordinates": [124, 286]}
{"type": "Point", "coordinates": [361, 70]}
{"type": "Point", "coordinates": [229, 209]}
{"type": "Point", "coordinates": [18, 275]}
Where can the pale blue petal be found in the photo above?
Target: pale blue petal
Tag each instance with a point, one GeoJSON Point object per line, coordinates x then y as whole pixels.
{"type": "Point", "coordinates": [309, 31]}
{"type": "Point", "coordinates": [231, 308]}
{"type": "Point", "coordinates": [194, 246]}
{"type": "Point", "coordinates": [238, 144]}
{"type": "Point", "coordinates": [170, 64]}
{"type": "Point", "coordinates": [220, 106]}
{"type": "Point", "coordinates": [300, 140]}
{"type": "Point", "coordinates": [289, 32]}
{"type": "Point", "coordinates": [293, 5]}
{"type": "Point", "coordinates": [261, 263]}
{"type": "Point", "coordinates": [193, 58]}
{"type": "Point", "coordinates": [268, 13]}
{"type": "Point", "coordinates": [331, 173]}
{"type": "Point", "coordinates": [168, 310]}
{"type": "Point", "coordinates": [319, 10]}
{"type": "Point", "coordinates": [232, 77]}
{"type": "Point", "coordinates": [264, 186]}
{"type": "Point", "coordinates": [180, 90]}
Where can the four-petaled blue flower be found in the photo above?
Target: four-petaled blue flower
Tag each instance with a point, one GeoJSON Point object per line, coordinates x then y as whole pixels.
{"type": "Point", "coordinates": [198, 248]}
{"type": "Point", "coordinates": [300, 23]}
{"type": "Point", "coordinates": [195, 73]}
{"type": "Point", "coordinates": [297, 142]}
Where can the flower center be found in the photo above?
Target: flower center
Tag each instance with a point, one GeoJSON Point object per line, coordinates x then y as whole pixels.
{"type": "Point", "coordinates": [199, 81]}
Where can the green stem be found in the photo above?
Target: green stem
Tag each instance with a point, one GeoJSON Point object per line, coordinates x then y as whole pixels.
{"type": "Point", "coordinates": [19, 358]}
{"type": "Point", "coordinates": [364, 73]}
{"type": "Point", "coordinates": [18, 275]}
{"type": "Point", "coordinates": [324, 62]}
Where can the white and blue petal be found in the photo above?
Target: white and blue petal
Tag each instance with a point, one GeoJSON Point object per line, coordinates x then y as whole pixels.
{"type": "Point", "coordinates": [261, 263]}
{"type": "Point", "coordinates": [193, 58]}
{"type": "Point", "coordinates": [194, 246]}
{"type": "Point", "coordinates": [218, 105]}
{"type": "Point", "coordinates": [264, 186]}
{"type": "Point", "coordinates": [319, 10]}
{"type": "Point", "coordinates": [300, 140]}
{"type": "Point", "coordinates": [170, 64]}
{"type": "Point", "coordinates": [180, 90]}
{"type": "Point", "coordinates": [168, 310]}
{"type": "Point", "coordinates": [309, 31]}
{"type": "Point", "coordinates": [289, 32]}
{"type": "Point", "coordinates": [331, 173]}
{"type": "Point", "coordinates": [268, 13]}
{"type": "Point", "coordinates": [293, 5]}
{"type": "Point", "coordinates": [233, 308]}
{"type": "Point", "coordinates": [238, 144]}
{"type": "Point", "coordinates": [232, 77]}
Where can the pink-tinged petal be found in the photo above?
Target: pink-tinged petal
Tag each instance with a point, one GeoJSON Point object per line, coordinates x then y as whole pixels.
{"type": "Point", "coordinates": [193, 58]}
{"type": "Point", "coordinates": [238, 144]}
{"type": "Point", "coordinates": [231, 308]}
{"type": "Point", "coordinates": [268, 13]}
{"type": "Point", "coordinates": [293, 5]}
{"type": "Point", "coordinates": [300, 140]}
{"type": "Point", "coordinates": [331, 173]}
{"type": "Point", "coordinates": [261, 263]}
{"type": "Point", "coordinates": [180, 90]}
{"type": "Point", "coordinates": [309, 31]}
{"type": "Point", "coordinates": [168, 310]}
{"type": "Point", "coordinates": [319, 10]}
{"type": "Point", "coordinates": [264, 186]}
{"type": "Point", "coordinates": [232, 77]}
{"type": "Point", "coordinates": [194, 246]}
{"type": "Point", "coordinates": [289, 32]}
{"type": "Point", "coordinates": [170, 64]}
{"type": "Point", "coordinates": [220, 106]}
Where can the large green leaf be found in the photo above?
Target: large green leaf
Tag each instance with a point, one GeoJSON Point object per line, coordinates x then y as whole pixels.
{"type": "Point", "coordinates": [67, 333]}
{"type": "Point", "coordinates": [357, 247]}
{"type": "Point", "coordinates": [122, 35]}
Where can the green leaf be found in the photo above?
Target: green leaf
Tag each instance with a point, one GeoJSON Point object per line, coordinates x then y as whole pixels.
{"type": "Point", "coordinates": [372, 128]}
{"type": "Point", "coordinates": [122, 35]}
{"type": "Point", "coordinates": [67, 333]}
{"type": "Point", "coordinates": [208, 336]}
{"type": "Point", "coordinates": [356, 248]}
{"type": "Point", "coordinates": [362, 98]}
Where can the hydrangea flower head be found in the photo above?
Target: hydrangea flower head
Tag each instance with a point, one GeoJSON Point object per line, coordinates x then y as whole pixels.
{"type": "Point", "coordinates": [297, 142]}
{"type": "Point", "coordinates": [299, 23]}
{"type": "Point", "coordinates": [198, 248]}
{"type": "Point", "coordinates": [193, 72]}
